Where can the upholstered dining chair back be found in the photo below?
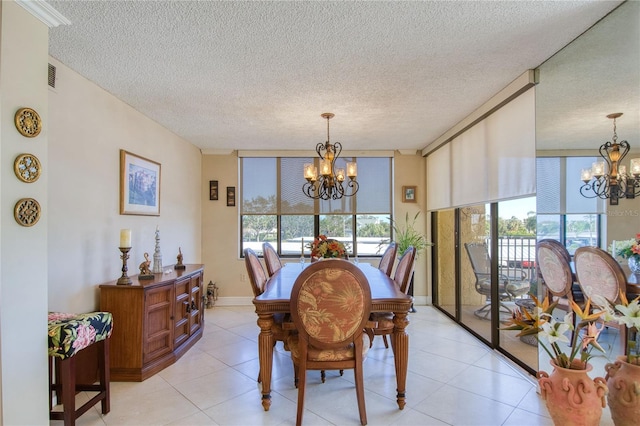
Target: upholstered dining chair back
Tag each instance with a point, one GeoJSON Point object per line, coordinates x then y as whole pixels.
{"type": "Point", "coordinates": [599, 274]}
{"type": "Point", "coordinates": [388, 258]}
{"type": "Point", "coordinates": [330, 305]}
{"type": "Point", "coordinates": [402, 276]}
{"type": "Point", "coordinates": [554, 263]}
{"type": "Point", "coordinates": [271, 258]}
{"type": "Point", "coordinates": [257, 277]}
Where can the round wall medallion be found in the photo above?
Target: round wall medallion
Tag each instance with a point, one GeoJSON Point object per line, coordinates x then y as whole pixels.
{"type": "Point", "coordinates": [27, 212]}
{"type": "Point", "coordinates": [28, 122]}
{"type": "Point", "coordinates": [27, 167]}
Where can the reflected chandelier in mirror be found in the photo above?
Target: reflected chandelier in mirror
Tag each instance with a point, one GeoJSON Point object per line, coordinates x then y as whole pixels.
{"type": "Point", "coordinates": [612, 181]}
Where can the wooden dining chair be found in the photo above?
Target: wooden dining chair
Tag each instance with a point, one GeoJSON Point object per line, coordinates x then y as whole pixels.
{"type": "Point", "coordinates": [271, 258]}
{"type": "Point", "coordinates": [599, 274]}
{"type": "Point", "coordinates": [330, 306]}
{"type": "Point", "coordinates": [554, 269]}
{"type": "Point", "coordinates": [388, 258]}
{"type": "Point", "coordinates": [258, 280]}
{"type": "Point", "coordinates": [402, 278]}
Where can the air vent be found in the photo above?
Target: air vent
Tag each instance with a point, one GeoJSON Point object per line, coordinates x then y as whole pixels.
{"type": "Point", "coordinates": [52, 76]}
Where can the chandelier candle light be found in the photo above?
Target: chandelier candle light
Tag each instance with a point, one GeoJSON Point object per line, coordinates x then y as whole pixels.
{"type": "Point", "coordinates": [328, 185]}
{"type": "Point", "coordinates": [612, 181]}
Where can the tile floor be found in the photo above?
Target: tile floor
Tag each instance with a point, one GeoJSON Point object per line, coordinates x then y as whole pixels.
{"type": "Point", "coordinates": [453, 379]}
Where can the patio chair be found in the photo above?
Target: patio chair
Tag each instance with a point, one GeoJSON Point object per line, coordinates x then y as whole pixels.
{"type": "Point", "coordinates": [508, 287]}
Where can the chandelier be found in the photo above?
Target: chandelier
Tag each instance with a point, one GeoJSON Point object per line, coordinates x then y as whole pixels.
{"type": "Point", "coordinates": [612, 181]}
{"type": "Point", "coordinates": [330, 183]}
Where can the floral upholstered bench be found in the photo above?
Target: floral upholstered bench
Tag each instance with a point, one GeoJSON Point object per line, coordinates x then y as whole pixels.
{"type": "Point", "coordinates": [68, 335]}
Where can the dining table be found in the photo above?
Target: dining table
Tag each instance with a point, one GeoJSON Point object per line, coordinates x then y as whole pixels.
{"type": "Point", "coordinates": [385, 297]}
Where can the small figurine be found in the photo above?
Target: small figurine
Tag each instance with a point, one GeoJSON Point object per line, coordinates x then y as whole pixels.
{"type": "Point", "coordinates": [157, 255]}
{"type": "Point", "coordinates": [145, 272]}
{"type": "Point", "coordinates": [179, 264]}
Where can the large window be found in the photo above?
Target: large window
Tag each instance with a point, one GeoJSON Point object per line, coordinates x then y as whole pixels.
{"type": "Point", "coordinates": [563, 213]}
{"type": "Point", "coordinates": [273, 207]}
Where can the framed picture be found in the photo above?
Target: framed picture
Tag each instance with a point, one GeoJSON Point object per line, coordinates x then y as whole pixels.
{"type": "Point", "coordinates": [139, 185]}
{"type": "Point", "coordinates": [408, 194]}
{"type": "Point", "coordinates": [213, 189]}
{"type": "Point", "coordinates": [231, 196]}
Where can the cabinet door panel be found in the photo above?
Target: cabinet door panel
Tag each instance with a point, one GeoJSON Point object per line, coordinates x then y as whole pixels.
{"type": "Point", "coordinates": [195, 319]}
{"type": "Point", "coordinates": [182, 309]}
{"type": "Point", "coordinates": [158, 319]}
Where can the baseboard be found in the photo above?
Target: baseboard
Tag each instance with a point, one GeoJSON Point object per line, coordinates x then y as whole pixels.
{"type": "Point", "coordinates": [234, 301]}
{"type": "Point", "coordinates": [422, 300]}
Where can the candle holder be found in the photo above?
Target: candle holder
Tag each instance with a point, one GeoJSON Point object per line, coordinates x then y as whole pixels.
{"type": "Point", "coordinates": [124, 279]}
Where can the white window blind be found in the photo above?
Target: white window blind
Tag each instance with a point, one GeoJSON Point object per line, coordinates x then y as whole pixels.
{"type": "Point", "coordinates": [493, 160]}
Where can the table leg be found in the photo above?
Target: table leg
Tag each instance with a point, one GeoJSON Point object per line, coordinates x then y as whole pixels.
{"type": "Point", "coordinates": [265, 355]}
{"type": "Point", "coordinates": [400, 345]}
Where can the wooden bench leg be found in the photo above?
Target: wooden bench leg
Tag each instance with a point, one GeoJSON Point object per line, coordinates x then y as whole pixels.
{"type": "Point", "coordinates": [105, 376]}
{"type": "Point", "coordinates": [68, 382]}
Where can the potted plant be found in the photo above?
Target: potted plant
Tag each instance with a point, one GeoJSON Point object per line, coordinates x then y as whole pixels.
{"type": "Point", "coordinates": [571, 396]}
{"type": "Point", "coordinates": [406, 235]}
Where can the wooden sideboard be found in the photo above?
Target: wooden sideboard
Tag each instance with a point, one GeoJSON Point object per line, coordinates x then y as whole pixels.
{"type": "Point", "coordinates": [155, 321]}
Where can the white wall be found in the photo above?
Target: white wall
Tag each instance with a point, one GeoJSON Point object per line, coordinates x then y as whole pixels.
{"type": "Point", "coordinates": [23, 250]}
{"type": "Point", "coordinates": [88, 128]}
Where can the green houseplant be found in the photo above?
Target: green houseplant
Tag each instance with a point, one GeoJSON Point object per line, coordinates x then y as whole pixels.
{"type": "Point", "coordinates": [406, 234]}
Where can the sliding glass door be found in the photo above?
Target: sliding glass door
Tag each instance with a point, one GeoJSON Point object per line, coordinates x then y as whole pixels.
{"type": "Point", "coordinates": [491, 272]}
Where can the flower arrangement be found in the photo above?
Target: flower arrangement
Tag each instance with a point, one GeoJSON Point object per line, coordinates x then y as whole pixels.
{"type": "Point", "coordinates": [627, 248]}
{"type": "Point", "coordinates": [628, 314]}
{"type": "Point", "coordinates": [327, 248]}
{"type": "Point", "coordinates": [541, 323]}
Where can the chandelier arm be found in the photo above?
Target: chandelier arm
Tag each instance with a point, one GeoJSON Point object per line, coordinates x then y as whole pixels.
{"type": "Point", "coordinates": [586, 191]}
{"type": "Point", "coordinates": [601, 187]}
{"type": "Point", "coordinates": [309, 189]}
{"type": "Point", "coordinates": [625, 150]}
{"type": "Point", "coordinates": [337, 148]}
{"type": "Point", "coordinates": [636, 187]}
{"type": "Point", "coordinates": [320, 148]}
{"type": "Point", "coordinates": [604, 153]}
{"type": "Point", "coordinates": [354, 185]}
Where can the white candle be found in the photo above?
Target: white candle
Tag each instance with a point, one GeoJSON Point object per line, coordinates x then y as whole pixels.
{"type": "Point", "coordinates": [125, 238]}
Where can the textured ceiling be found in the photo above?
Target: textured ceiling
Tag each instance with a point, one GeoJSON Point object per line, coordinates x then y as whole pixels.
{"type": "Point", "coordinates": [257, 75]}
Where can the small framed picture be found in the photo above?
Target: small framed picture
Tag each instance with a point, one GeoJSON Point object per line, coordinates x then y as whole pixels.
{"type": "Point", "coordinates": [139, 185]}
{"type": "Point", "coordinates": [408, 194]}
{"type": "Point", "coordinates": [231, 196]}
{"type": "Point", "coordinates": [213, 189]}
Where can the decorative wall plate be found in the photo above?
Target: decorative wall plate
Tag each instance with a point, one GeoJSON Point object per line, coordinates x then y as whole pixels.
{"type": "Point", "coordinates": [27, 212]}
{"type": "Point", "coordinates": [27, 167]}
{"type": "Point", "coordinates": [28, 122]}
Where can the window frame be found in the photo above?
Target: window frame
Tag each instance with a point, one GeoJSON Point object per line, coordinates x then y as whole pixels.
{"type": "Point", "coordinates": [352, 213]}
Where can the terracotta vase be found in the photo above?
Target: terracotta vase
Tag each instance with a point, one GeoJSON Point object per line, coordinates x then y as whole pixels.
{"type": "Point", "coordinates": [623, 380]}
{"type": "Point", "coordinates": [572, 397]}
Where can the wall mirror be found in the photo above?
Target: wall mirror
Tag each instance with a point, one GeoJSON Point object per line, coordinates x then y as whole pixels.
{"type": "Point", "coordinates": [596, 75]}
